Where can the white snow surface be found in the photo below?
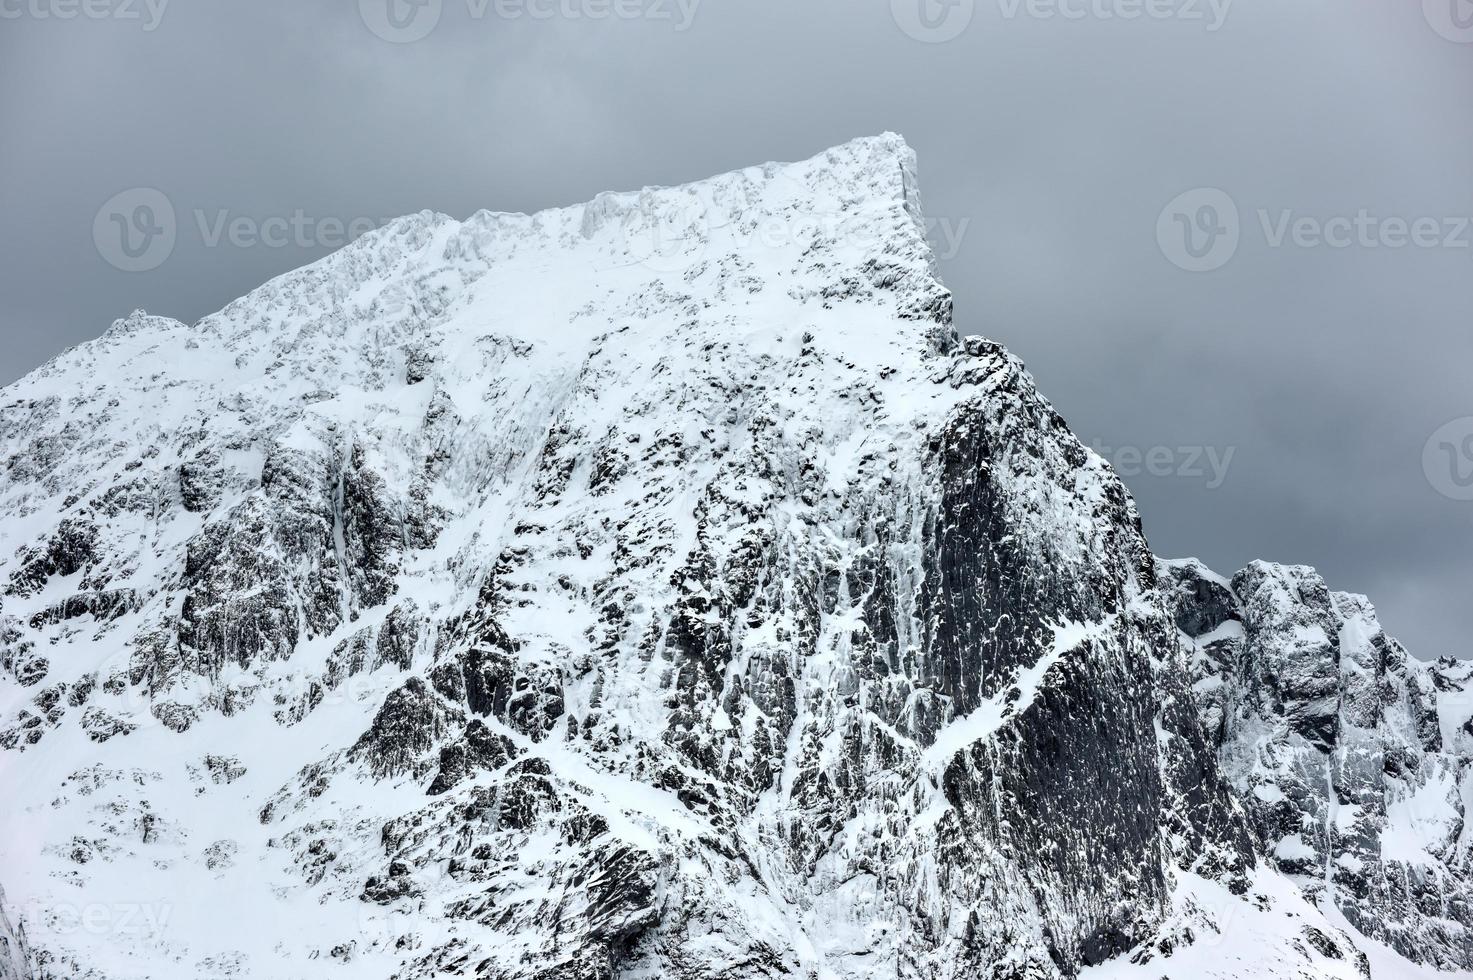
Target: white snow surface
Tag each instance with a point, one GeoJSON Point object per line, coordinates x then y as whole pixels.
{"type": "Point", "coordinates": [553, 393]}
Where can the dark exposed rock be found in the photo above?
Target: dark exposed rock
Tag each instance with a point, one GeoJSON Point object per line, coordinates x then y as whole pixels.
{"type": "Point", "coordinates": [69, 550]}
{"type": "Point", "coordinates": [103, 605]}
{"type": "Point", "coordinates": [100, 726]}
{"type": "Point", "coordinates": [175, 717]}
{"type": "Point", "coordinates": [399, 635]}
{"type": "Point", "coordinates": [372, 535]}
{"type": "Point", "coordinates": [490, 680]}
{"type": "Point", "coordinates": [1292, 661]}
{"type": "Point", "coordinates": [28, 666]}
{"type": "Point", "coordinates": [410, 721]}
{"type": "Point", "coordinates": [476, 749]}
{"type": "Point", "coordinates": [1200, 601]}
{"type": "Point", "coordinates": [1330, 737]}
{"type": "Point", "coordinates": [201, 481]}
{"type": "Point", "coordinates": [417, 365]}
{"type": "Point", "coordinates": [223, 770]}
{"type": "Point", "coordinates": [784, 632]}
{"type": "Point", "coordinates": [239, 603]}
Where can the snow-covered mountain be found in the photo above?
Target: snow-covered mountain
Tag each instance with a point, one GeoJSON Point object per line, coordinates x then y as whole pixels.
{"type": "Point", "coordinates": [664, 588]}
{"type": "Point", "coordinates": [1350, 757]}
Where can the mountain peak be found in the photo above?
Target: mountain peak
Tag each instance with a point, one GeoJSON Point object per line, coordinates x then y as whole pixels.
{"type": "Point", "coordinates": [842, 226]}
{"type": "Point", "coordinates": [648, 587]}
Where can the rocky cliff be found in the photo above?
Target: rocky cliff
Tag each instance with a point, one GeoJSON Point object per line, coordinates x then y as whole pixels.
{"type": "Point", "coordinates": [661, 587]}
{"type": "Point", "coordinates": [1350, 757]}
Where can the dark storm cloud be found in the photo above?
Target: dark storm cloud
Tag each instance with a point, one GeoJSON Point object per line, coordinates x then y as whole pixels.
{"type": "Point", "coordinates": [1297, 144]}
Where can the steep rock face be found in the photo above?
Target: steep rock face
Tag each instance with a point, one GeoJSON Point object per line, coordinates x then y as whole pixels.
{"type": "Point", "coordinates": [1351, 758]}
{"type": "Point", "coordinates": [13, 953]}
{"type": "Point", "coordinates": [658, 587]}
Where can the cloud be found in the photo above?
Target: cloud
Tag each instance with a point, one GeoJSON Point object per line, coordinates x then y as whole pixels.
{"type": "Point", "coordinates": [1059, 131]}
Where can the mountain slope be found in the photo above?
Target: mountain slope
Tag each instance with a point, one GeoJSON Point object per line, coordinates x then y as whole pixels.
{"type": "Point", "coordinates": [653, 588]}
{"type": "Point", "coordinates": [1352, 759]}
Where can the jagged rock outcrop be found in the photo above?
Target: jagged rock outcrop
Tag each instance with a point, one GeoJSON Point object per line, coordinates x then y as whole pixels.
{"type": "Point", "coordinates": [658, 587]}
{"type": "Point", "coordinates": [1351, 758]}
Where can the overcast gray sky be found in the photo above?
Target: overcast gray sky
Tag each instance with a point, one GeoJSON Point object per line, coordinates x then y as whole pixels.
{"type": "Point", "coordinates": [1324, 342]}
